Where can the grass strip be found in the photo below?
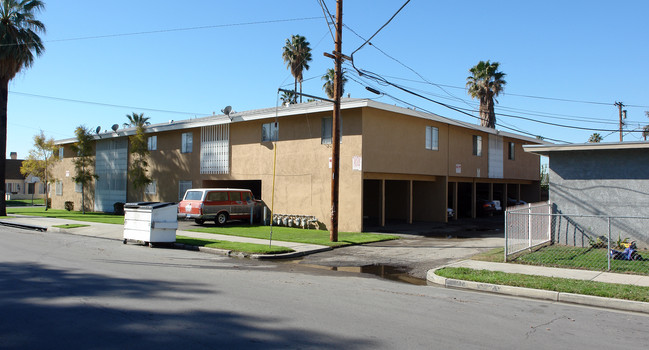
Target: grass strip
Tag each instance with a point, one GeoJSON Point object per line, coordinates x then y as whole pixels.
{"type": "Point", "coordinates": [563, 285]}
{"type": "Point", "coordinates": [298, 235]}
{"type": "Point", "coordinates": [105, 218]}
{"type": "Point", "coordinates": [235, 246]}
{"type": "Point", "coordinates": [70, 225]}
{"type": "Point", "coordinates": [24, 202]}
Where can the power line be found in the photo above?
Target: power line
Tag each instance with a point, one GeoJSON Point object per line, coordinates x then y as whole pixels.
{"type": "Point", "coordinates": [178, 29]}
{"type": "Point", "coordinates": [105, 104]}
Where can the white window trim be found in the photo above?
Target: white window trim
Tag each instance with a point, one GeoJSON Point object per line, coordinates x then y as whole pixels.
{"type": "Point", "coordinates": [187, 142]}
{"type": "Point", "coordinates": [152, 143]}
{"type": "Point", "coordinates": [274, 132]}
{"type": "Point", "coordinates": [77, 187]}
{"type": "Point", "coordinates": [329, 140]}
{"type": "Point", "coordinates": [59, 188]}
{"type": "Point", "coordinates": [151, 188]}
{"type": "Point", "coordinates": [432, 138]}
{"type": "Point", "coordinates": [477, 145]}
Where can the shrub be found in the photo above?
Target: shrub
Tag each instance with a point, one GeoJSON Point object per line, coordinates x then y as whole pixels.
{"type": "Point", "coordinates": [69, 206]}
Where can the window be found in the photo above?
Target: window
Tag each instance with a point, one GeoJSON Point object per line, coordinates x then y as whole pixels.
{"type": "Point", "coordinates": [432, 138]}
{"type": "Point", "coordinates": [152, 143]}
{"type": "Point", "coordinates": [61, 153]}
{"type": "Point", "coordinates": [217, 196]}
{"type": "Point", "coordinates": [183, 186]}
{"type": "Point", "coordinates": [187, 142]}
{"type": "Point", "coordinates": [77, 187]}
{"type": "Point", "coordinates": [327, 130]}
{"type": "Point", "coordinates": [150, 188]}
{"type": "Point", "coordinates": [511, 150]}
{"type": "Point", "coordinates": [477, 145]}
{"type": "Point", "coordinates": [59, 188]}
{"type": "Point", "coordinates": [270, 132]}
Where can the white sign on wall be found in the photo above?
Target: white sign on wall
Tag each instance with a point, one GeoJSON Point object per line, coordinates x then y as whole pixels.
{"type": "Point", "coordinates": [458, 168]}
{"type": "Point", "coordinates": [357, 163]}
{"type": "Point", "coordinates": [67, 173]}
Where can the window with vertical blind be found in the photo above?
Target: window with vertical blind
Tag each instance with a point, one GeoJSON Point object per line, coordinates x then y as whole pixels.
{"type": "Point", "coordinates": [432, 138]}
{"type": "Point", "coordinates": [183, 186]}
{"type": "Point", "coordinates": [270, 132]}
{"type": "Point", "coordinates": [152, 143]}
{"type": "Point", "coordinates": [187, 142]}
{"type": "Point", "coordinates": [477, 145]}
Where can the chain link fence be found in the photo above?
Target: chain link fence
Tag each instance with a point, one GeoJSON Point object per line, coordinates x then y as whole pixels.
{"type": "Point", "coordinates": [534, 234]}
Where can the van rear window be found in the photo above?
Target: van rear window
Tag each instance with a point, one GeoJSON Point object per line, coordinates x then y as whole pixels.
{"type": "Point", "coordinates": [193, 195]}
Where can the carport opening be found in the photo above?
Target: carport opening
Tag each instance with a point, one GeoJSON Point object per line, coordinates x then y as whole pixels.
{"type": "Point", "coordinates": [252, 185]}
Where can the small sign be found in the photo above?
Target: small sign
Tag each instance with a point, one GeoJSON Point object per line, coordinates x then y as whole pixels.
{"type": "Point", "coordinates": [458, 168]}
{"type": "Point", "coordinates": [67, 173]}
{"type": "Point", "coordinates": [357, 163]}
{"type": "Point", "coordinates": [330, 163]}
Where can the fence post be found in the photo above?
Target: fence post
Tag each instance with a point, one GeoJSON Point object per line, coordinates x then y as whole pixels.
{"type": "Point", "coordinates": [529, 226]}
{"type": "Point", "coordinates": [506, 250]}
{"type": "Point", "coordinates": [608, 244]}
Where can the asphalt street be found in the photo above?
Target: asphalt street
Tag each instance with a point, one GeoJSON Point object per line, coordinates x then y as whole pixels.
{"type": "Point", "coordinates": [69, 291]}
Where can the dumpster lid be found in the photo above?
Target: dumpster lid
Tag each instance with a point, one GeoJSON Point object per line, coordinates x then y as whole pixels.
{"type": "Point", "coordinates": [147, 205]}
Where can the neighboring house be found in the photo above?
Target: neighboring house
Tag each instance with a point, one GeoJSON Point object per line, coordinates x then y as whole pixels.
{"type": "Point", "coordinates": [396, 164]}
{"type": "Point", "coordinates": [19, 186]}
{"type": "Point", "coordinates": [608, 179]}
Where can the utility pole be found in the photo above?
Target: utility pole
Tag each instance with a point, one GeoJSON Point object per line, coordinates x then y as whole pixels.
{"type": "Point", "coordinates": [335, 137]}
{"type": "Point", "coordinates": [619, 106]}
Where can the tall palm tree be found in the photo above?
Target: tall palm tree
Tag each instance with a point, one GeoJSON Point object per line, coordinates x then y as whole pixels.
{"type": "Point", "coordinates": [137, 120]}
{"type": "Point", "coordinates": [645, 129]}
{"type": "Point", "coordinates": [287, 98]}
{"type": "Point", "coordinates": [19, 42]}
{"type": "Point", "coordinates": [297, 55]}
{"type": "Point", "coordinates": [486, 83]}
{"type": "Point", "coordinates": [329, 78]}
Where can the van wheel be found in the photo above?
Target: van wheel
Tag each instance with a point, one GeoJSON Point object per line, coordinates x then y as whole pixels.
{"type": "Point", "coordinates": [199, 221]}
{"type": "Point", "coordinates": [221, 218]}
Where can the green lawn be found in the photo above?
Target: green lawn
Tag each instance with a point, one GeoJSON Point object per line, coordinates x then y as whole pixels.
{"type": "Point", "coordinates": [70, 225]}
{"type": "Point", "coordinates": [25, 202]}
{"type": "Point", "coordinates": [608, 290]}
{"type": "Point", "coordinates": [70, 215]}
{"type": "Point", "coordinates": [236, 246]}
{"type": "Point", "coordinates": [290, 234]}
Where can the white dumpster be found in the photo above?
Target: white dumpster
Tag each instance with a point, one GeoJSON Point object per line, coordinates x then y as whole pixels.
{"type": "Point", "coordinates": [150, 222]}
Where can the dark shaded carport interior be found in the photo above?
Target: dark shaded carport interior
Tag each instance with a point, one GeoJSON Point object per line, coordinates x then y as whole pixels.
{"type": "Point", "coordinates": [402, 201]}
{"type": "Point", "coordinates": [252, 185]}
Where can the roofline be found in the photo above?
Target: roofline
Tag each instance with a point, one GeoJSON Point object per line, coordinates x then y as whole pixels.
{"type": "Point", "coordinates": [544, 150]}
{"type": "Point", "coordinates": [298, 109]}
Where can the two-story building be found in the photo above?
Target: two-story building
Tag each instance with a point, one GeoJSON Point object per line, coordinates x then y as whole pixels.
{"type": "Point", "coordinates": [396, 164]}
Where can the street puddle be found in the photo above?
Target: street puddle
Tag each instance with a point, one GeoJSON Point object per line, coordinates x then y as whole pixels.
{"type": "Point", "coordinates": [389, 272]}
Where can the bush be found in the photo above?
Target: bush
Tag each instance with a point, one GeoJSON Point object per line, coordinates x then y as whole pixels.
{"type": "Point", "coordinates": [69, 206]}
{"type": "Point", "coordinates": [118, 208]}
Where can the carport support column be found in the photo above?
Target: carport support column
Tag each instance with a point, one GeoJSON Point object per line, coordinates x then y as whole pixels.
{"type": "Point", "coordinates": [410, 196]}
{"type": "Point", "coordinates": [491, 194]}
{"type": "Point", "coordinates": [455, 206]}
{"type": "Point", "coordinates": [382, 202]}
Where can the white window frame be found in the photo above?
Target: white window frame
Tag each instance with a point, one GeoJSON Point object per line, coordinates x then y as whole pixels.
{"type": "Point", "coordinates": [187, 142]}
{"type": "Point", "coordinates": [59, 188]}
{"type": "Point", "coordinates": [61, 152]}
{"type": "Point", "coordinates": [477, 145]}
{"type": "Point", "coordinates": [77, 187]}
{"type": "Point", "coordinates": [151, 188]}
{"type": "Point", "coordinates": [326, 131]}
{"type": "Point", "coordinates": [511, 151]}
{"type": "Point", "coordinates": [152, 143]}
{"type": "Point", "coordinates": [270, 132]}
{"type": "Point", "coordinates": [432, 138]}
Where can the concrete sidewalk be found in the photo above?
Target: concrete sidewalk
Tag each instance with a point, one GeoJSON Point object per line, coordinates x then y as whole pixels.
{"type": "Point", "coordinates": [116, 232]}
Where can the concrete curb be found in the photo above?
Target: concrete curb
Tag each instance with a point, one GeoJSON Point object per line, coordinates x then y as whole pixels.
{"type": "Point", "coordinates": [23, 226]}
{"type": "Point", "coordinates": [610, 303]}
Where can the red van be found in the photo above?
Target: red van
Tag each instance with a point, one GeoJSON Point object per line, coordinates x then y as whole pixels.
{"type": "Point", "coordinates": [218, 204]}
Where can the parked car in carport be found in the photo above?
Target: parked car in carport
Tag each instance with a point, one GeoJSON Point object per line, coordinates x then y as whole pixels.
{"type": "Point", "coordinates": [218, 204]}
{"type": "Point", "coordinates": [485, 206]}
{"type": "Point", "coordinates": [512, 202]}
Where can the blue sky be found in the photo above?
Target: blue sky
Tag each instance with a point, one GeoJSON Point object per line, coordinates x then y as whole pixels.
{"type": "Point", "coordinates": [106, 59]}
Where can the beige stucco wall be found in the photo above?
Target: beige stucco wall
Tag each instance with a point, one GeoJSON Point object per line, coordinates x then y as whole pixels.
{"type": "Point", "coordinates": [64, 171]}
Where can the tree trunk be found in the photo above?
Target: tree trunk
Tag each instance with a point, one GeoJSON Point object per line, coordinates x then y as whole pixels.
{"type": "Point", "coordinates": [4, 95]}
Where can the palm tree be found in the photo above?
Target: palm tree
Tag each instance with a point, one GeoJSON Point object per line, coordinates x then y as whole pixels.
{"type": "Point", "coordinates": [297, 55]}
{"type": "Point", "coordinates": [595, 138]}
{"type": "Point", "coordinates": [486, 83]}
{"type": "Point", "coordinates": [19, 42]}
{"type": "Point", "coordinates": [137, 120]}
{"type": "Point", "coordinates": [328, 86]}
{"type": "Point", "coordinates": [287, 98]}
{"type": "Point", "coordinates": [645, 129]}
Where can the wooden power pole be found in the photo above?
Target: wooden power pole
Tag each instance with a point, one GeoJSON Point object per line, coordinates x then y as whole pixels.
{"type": "Point", "coordinates": [335, 137]}
{"type": "Point", "coordinates": [619, 106]}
